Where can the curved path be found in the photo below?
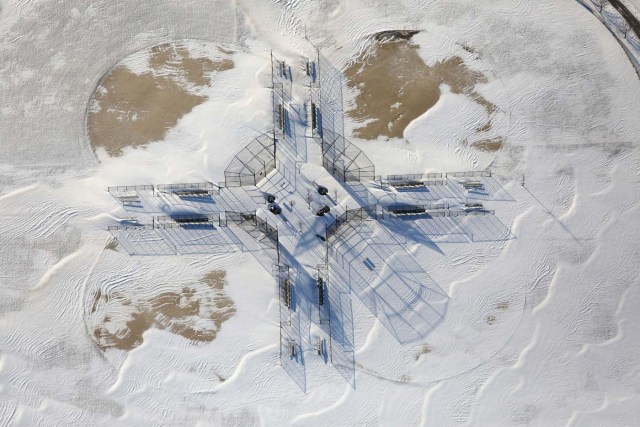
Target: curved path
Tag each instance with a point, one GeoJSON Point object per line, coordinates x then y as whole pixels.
{"type": "Point", "coordinates": [630, 18]}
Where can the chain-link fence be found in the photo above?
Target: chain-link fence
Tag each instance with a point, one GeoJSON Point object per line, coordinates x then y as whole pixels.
{"type": "Point", "coordinates": [252, 163]}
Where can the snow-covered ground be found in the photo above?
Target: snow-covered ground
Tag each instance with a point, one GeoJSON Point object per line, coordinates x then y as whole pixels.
{"type": "Point", "coordinates": [635, 3]}
{"type": "Point", "coordinates": [614, 20]}
{"type": "Point", "coordinates": [539, 329]}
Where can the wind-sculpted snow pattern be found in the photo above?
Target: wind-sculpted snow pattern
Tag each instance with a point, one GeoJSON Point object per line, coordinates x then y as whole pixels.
{"type": "Point", "coordinates": [90, 57]}
{"type": "Point", "coordinates": [144, 240]}
{"type": "Point", "coordinates": [474, 299]}
{"type": "Point", "coordinates": [200, 239]}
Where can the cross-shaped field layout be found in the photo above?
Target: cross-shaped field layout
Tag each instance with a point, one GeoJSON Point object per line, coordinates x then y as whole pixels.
{"type": "Point", "coordinates": [309, 206]}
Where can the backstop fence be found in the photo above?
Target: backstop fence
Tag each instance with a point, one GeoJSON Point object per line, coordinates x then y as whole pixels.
{"type": "Point", "coordinates": [252, 163]}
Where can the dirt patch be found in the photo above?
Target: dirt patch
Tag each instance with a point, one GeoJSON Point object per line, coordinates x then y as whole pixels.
{"type": "Point", "coordinates": [112, 245]}
{"type": "Point", "coordinates": [489, 145]}
{"type": "Point", "coordinates": [196, 313]}
{"type": "Point", "coordinates": [484, 128]}
{"type": "Point", "coordinates": [96, 300]}
{"type": "Point", "coordinates": [395, 35]}
{"type": "Point", "coordinates": [130, 109]}
{"type": "Point", "coordinates": [175, 61]}
{"type": "Point", "coordinates": [215, 280]}
{"type": "Point", "coordinates": [425, 349]}
{"type": "Point", "coordinates": [395, 86]}
{"type": "Point", "coordinates": [502, 306]}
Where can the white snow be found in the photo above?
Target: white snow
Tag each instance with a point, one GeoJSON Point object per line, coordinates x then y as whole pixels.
{"type": "Point", "coordinates": [563, 293]}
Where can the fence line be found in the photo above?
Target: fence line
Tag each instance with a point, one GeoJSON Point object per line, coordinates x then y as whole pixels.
{"type": "Point", "coordinates": [413, 176]}
{"type": "Point", "coordinates": [483, 174]}
{"type": "Point", "coordinates": [190, 189]}
{"type": "Point", "coordinates": [126, 188]}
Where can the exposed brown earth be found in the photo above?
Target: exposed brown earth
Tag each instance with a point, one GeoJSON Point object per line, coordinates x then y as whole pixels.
{"type": "Point", "coordinates": [395, 35]}
{"type": "Point", "coordinates": [489, 145]}
{"type": "Point", "coordinates": [175, 61]}
{"type": "Point", "coordinates": [484, 128]}
{"type": "Point", "coordinates": [112, 245]}
{"type": "Point", "coordinates": [395, 86]}
{"type": "Point", "coordinates": [182, 313]}
{"type": "Point", "coordinates": [130, 109]}
{"type": "Point", "coordinates": [425, 349]}
{"type": "Point", "coordinates": [502, 306]}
